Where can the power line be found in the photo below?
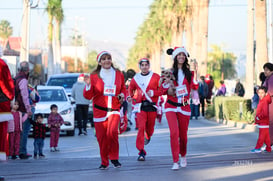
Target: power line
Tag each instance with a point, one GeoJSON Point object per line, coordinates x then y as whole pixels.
{"type": "Point", "coordinates": [123, 7]}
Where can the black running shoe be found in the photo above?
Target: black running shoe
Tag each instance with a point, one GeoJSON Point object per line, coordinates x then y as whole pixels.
{"type": "Point", "coordinates": [141, 156]}
{"type": "Point", "coordinates": [147, 141]}
{"type": "Point", "coordinates": [41, 156]}
{"type": "Point", "coordinates": [116, 163]}
{"type": "Point", "coordinates": [23, 156]}
{"type": "Point", "coordinates": [103, 167]}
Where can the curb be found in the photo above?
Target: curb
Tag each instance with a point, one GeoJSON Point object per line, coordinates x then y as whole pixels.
{"type": "Point", "coordinates": [241, 125]}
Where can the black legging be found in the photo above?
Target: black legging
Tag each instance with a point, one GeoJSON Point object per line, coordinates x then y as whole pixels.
{"type": "Point", "coordinates": [82, 116]}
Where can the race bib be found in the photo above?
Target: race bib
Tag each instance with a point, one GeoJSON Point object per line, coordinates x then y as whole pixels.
{"type": "Point", "coordinates": [181, 91]}
{"type": "Point", "coordinates": [136, 108]}
{"type": "Point", "coordinates": [109, 90]}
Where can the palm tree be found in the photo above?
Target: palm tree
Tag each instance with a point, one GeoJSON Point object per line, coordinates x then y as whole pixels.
{"type": "Point", "coordinates": [5, 30]}
{"type": "Point", "coordinates": [55, 15]}
{"type": "Point", "coordinates": [261, 35]}
{"type": "Point", "coordinates": [58, 18]}
{"type": "Point", "coordinates": [250, 54]}
{"type": "Point", "coordinates": [203, 38]}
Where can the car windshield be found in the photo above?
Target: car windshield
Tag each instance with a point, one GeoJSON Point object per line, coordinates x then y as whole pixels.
{"type": "Point", "coordinates": [52, 95]}
{"type": "Point", "coordinates": [66, 82]}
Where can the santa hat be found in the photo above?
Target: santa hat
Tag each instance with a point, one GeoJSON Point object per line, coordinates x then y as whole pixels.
{"type": "Point", "coordinates": [143, 60]}
{"type": "Point", "coordinates": [101, 54]}
{"type": "Point", "coordinates": [81, 77]}
{"type": "Point", "coordinates": [174, 52]}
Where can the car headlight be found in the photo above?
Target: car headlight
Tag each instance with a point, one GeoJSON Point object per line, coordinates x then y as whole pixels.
{"type": "Point", "coordinates": [67, 111]}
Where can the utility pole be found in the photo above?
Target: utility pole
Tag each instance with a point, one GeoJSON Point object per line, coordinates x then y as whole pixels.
{"type": "Point", "coordinates": [24, 51]}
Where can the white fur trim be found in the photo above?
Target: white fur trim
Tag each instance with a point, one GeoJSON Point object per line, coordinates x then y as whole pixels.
{"type": "Point", "coordinates": [102, 53]}
{"type": "Point", "coordinates": [179, 50]}
{"type": "Point", "coordinates": [5, 116]}
{"type": "Point", "coordinates": [104, 118]}
{"type": "Point", "coordinates": [263, 126]}
{"type": "Point", "coordinates": [177, 110]}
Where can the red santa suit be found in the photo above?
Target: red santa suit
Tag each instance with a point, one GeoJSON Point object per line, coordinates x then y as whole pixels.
{"type": "Point", "coordinates": [177, 108]}
{"type": "Point", "coordinates": [7, 87]}
{"type": "Point", "coordinates": [178, 113]}
{"type": "Point", "coordinates": [139, 86]}
{"type": "Point", "coordinates": [262, 119]}
{"type": "Point", "coordinates": [104, 90]}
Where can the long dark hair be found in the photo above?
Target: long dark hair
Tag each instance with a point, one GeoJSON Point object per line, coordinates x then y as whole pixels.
{"type": "Point", "coordinates": [185, 69]}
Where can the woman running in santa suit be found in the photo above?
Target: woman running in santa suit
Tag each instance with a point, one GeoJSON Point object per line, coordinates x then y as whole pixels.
{"type": "Point", "coordinates": [177, 107]}
{"type": "Point", "coordinates": [106, 87]}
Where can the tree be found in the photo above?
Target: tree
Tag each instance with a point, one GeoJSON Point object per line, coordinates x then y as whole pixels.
{"type": "Point", "coordinates": [261, 35]}
{"type": "Point", "coordinates": [92, 60]}
{"type": "Point", "coordinates": [221, 62]}
{"type": "Point", "coordinates": [5, 30]}
{"type": "Point", "coordinates": [55, 16]}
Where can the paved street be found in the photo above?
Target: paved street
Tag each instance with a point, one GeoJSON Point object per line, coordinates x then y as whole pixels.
{"type": "Point", "coordinates": [215, 152]}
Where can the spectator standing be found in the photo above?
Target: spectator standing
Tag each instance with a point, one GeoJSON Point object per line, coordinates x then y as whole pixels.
{"type": "Point", "coordinates": [262, 78]}
{"type": "Point", "coordinates": [210, 82]}
{"type": "Point", "coordinates": [262, 120]}
{"type": "Point", "coordinates": [39, 134]}
{"type": "Point", "coordinates": [255, 100]}
{"type": "Point", "coordinates": [239, 89]}
{"type": "Point", "coordinates": [55, 121]}
{"type": "Point", "coordinates": [177, 106]}
{"type": "Point", "coordinates": [268, 72]}
{"type": "Point", "coordinates": [14, 129]}
{"type": "Point", "coordinates": [144, 91]}
{"type": "Point", "coordinates": [82, 104]}
{"type": "Point", "coordinates": [203, 91]}
{"type": "Point", "coordinates": [195, 103]}
{"type": "Point", "coordinates": [106, 88]}
{"type": "Point", "coordinates": [222, 90]}
{"type": "Point", "coordinates": [22, 96]}
{"type": "Point", "coordinates": [6, 95]}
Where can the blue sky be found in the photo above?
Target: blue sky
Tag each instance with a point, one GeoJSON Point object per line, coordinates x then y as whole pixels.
{"type": "Point", "coordinates": [118, 20]}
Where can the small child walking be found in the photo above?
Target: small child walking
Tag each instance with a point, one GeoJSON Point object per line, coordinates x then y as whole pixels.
{"type": "Point", "coordinates": [55, 121]}
{"type": "Point", "coordinates": [39, 134]}
{"type": "Point", "coordinates": [14, 130]}
{"type": "Point", "coordinates": [262, 120]}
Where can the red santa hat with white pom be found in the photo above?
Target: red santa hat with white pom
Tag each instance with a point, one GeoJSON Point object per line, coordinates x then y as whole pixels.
{"type": "Point", "coordinates": [101, 54]}
{"type": "Point", "coordinates": [174, 52]}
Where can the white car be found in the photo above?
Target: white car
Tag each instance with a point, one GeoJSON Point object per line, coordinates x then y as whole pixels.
{"type": "Point", "coordinates": [56, 95]}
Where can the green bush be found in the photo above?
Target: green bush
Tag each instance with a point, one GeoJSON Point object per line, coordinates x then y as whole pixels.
{"type": "Point", "coordinates": [210, 111]}
{"type": "Point", "coordinates": [233, 108]}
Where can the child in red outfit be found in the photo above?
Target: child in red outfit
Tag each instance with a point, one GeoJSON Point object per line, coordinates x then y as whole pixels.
{"type": "Point", "coordinates": [14, 130]}
{"type": "Point", "coordinates": [262, 120]}
{"type": "Point", "coordinates": [55, 121]}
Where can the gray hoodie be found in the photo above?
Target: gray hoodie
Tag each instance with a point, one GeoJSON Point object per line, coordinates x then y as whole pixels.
{"type": "Point", "coordinates": [77, 93]}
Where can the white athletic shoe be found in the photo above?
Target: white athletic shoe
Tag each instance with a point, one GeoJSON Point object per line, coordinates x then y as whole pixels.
{"type": "Point", "coordinates": [183, 162]}
{"type": "Point", "coordinates": [175, 166]}
{"type": "Point", "coordinates": [263, 147]}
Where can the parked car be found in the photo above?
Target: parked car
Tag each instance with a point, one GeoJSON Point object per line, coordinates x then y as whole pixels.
{"type": "Point", "coordinates": [56, 95]}
{"type": "Point", "coordinates": [67, 80]}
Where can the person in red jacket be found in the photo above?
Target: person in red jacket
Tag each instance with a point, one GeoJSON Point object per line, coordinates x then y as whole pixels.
{"type": "Point", "coordinates": [106, 87]}
{"type": "Point", "coordinates": [177, 106]}
{"type": "Point", "coordinates": [144, 92]}
{"type": "Point", "coordinates": [6, 95]}
{"type": "Point", "coordinates": [262, 120]}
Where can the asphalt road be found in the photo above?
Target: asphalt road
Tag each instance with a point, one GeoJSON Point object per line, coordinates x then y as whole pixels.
{"type": "Point", "coordinates": [215, 152]}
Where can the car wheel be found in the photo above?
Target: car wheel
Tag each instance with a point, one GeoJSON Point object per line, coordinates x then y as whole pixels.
{"type": "Point", "coordinates": [70, 133]}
